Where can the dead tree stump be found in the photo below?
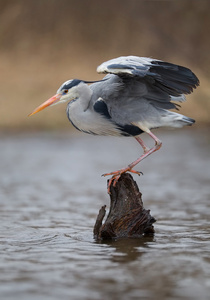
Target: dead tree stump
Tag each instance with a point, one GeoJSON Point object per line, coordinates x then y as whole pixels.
{"type": "Point", "coordinates": [127, 217]}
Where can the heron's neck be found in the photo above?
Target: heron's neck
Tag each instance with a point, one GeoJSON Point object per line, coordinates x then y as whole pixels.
{"type": "Point", "coordinates": [81, 114]}
{"type": "Point", "coordinates": [84, 94]}
{"type": "Point", "coordinates": [76, 109]}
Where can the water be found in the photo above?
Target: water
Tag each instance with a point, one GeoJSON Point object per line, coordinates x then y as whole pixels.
{"type": "Point", "coordinates": [50, 194]}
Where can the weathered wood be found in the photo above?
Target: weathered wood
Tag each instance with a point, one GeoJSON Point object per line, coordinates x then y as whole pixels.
{"type": "Point", "coordinates": [99, 220]}
{"type": "Point", "coordinates": [127, 216]}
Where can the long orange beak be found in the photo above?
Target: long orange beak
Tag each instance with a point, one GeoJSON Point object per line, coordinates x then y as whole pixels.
{"type": "Point", "coordinates": [49, 102]}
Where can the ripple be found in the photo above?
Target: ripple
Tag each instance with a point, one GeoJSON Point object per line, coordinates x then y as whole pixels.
{"type": "Point", "coordinates": [51, 191]}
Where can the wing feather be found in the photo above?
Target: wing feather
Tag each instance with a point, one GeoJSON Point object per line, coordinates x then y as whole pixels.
{"type": "Point", "coordinates": [173, 79]}
{"type": "Point", "coordinates": [140, 90]}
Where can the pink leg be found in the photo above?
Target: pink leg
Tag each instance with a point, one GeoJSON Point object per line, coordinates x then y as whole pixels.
{"type": "Point", "coordinates": [142, 144]}
{"type": "Point", "coordinates": [147, 151]}
{"type": "Point", "coordinates": [116, 174]}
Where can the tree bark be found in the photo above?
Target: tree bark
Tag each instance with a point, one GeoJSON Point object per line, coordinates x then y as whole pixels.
{"type": "Point", "coordinates": [127, 216]}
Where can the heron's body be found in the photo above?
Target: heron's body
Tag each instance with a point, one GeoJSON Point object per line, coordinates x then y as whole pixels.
{"type": "Point", "coordinates": [133, 98]}
{"type": "Point", "coordinates": [126, 108]}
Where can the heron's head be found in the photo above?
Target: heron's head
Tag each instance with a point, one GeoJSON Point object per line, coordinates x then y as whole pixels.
{"type": "Point", "coordinates": [66, 92]}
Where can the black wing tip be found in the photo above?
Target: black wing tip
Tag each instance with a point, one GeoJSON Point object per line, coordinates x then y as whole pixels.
{"type": "Point", "coordinates": [179, 79]}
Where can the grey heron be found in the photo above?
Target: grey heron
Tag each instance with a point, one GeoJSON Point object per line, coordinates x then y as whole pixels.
{"type": "Point", "coordinates": [134, 97]}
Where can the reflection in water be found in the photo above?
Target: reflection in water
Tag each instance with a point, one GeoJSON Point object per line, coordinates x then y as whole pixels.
{"type": "Point", "coordinates": [50, 193]}
{"type": "Point", "coordinates": [127, 250]}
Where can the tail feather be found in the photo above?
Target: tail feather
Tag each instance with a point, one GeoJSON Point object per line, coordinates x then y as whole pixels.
{"type": "Point", "coordinates": [187, 120]}
{"type": "Point", "coordinates": [173, 119]}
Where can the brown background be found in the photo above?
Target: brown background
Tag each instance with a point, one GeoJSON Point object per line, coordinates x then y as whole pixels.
{"type": "Point", "coordinates": [45, 42]}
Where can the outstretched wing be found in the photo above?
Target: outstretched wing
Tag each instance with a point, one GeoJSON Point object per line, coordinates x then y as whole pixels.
{"type": "Point", "coordinates": [172, 79]}
{"type": "Point", "coordinates": [147, 89]}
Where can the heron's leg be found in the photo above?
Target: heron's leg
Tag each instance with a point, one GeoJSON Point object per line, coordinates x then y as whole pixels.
{"type": "Point", "coordinates": [147, 151]}
{"type": "Point", "coordinates": [116, 174]}
{"type": "Point", "coordinates": [142, 144]}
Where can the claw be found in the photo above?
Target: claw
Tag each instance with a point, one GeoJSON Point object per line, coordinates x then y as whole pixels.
{"type": "Point", "coordinates": [116, 175]}
{"type": "Point", "coordinates": [136, 172]}
{"type": "Point", "coordinates": [120, 172]}
{"type": "Point", "coordinates": [112, 179]}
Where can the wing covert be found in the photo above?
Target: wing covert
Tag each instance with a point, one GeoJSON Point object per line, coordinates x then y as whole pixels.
{"type": "Point", "coordinates": [173, 79]}
{"type": "Point", "coordinates": [130, 65]}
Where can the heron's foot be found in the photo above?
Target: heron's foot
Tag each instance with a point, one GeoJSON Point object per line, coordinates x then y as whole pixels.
{"type": "Point", "coordinates": [120, 172]}
{"type": "Point", "coordinates": [116, 175]}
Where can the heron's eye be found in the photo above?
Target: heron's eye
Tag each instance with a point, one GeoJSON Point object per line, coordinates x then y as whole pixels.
{"type": "Point", "coordinates": [65, 91]}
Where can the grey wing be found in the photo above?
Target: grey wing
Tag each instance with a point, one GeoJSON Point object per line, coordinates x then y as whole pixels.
{"type": "Point", "coordinates": [140, 89]}
{"type": "Point", "coordinates": [170, 78]}
{"type": "Point", "coordinates": [130, 65]}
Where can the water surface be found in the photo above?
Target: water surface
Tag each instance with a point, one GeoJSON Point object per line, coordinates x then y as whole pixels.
{"type": "Point", "coordinates": [50, 192]}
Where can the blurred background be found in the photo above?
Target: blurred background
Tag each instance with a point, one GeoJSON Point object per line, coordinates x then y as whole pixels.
{"type": "Point", "coordinates": [46, 42]}
{"type": "Point", "coordinates": [50, 181]}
